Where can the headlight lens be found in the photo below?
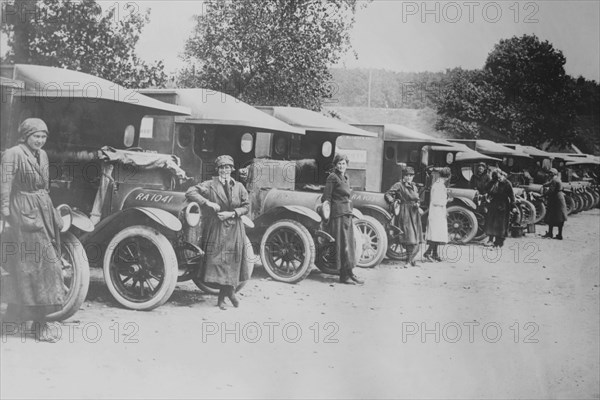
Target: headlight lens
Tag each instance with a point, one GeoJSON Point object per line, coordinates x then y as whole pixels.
{"type": "Point", "coordinates": [192, 214]}
{"type": "Point", "coordinates": [66, 215]}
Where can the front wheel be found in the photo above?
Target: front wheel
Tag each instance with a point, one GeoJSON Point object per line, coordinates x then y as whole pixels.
{"type": "Point", "coordinates": [140, 268]}
{"type": "Point", "coordinates": [374, 242]}
{"type": "Point", "coordinates": [528, 215]}
{"type": "Point", "coordinates": [540, 210]}
{"type": "Point", "coordinates": [287, 251]}
{"type": "Point", "coordinates": [76, 277]}
{"type": "Point", "coordinates": [462, 224]}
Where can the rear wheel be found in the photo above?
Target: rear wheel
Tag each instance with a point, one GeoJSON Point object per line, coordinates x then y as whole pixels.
{"type": "Point", "coordinates": [140, 268]}
{"type": "Point", "coordinates": [76, 277]}
{"type": "Point", "coordinates": [374, 242]}
{"type": "Point", "coordinates": [462, 225]}
{"type": "Point", "coordinates": [287, 251]}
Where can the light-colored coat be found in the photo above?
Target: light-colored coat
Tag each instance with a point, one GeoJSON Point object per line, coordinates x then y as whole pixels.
{"type": "Point", "coordinates": [437, 227]}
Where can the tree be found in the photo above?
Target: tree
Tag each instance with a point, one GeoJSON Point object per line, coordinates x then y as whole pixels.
{"type": "Point", "coordinates": [522, 93]}
{"type": "Point", "coordinates": [78, 35]}
{"type": "Point", "coordinates": [270, 52]}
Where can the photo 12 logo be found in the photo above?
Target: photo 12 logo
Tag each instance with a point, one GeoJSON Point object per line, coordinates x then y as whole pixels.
{"type": "Point", "coordinates": [470, 11]}
{"type": "Point", "coordinates": [469, 331]}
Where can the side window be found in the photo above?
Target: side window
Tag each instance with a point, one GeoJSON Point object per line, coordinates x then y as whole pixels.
{"type": "Point", "coordinates": [390, 152]}
{"type": "Point", "coordinates": [204, 139]}
{"type": "Point", "coordinates": [246, 142]}
{"type": "Point", "coordinates": [326, 149]}
{"type": "Point", "coordinates": [184, 136]}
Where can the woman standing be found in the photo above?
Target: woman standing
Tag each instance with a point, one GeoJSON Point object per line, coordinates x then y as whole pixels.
{"type": "Point", "coordinates": [409, 217]}
{"type": "Point", "coordinates": [33, 230]}
{"type": "Point", "coordinates": [223, 237]}
{"type": "Point", "coordinates": [437, 226]}
{"type": "Point", "coordinates": [557, 206]}
{"type": "Point", "coordinates": [337, 196]}
{"type": "Point", "coordinates": [502, 201]}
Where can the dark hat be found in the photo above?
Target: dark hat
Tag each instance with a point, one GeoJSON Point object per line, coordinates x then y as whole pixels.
{"type": "Point", "coordinates": [224, 160]}
{"type": "Point", "coordinates": [31, 126]}
{"type": "Point", "coordinates": [482, 164]}
{"type": "Point", "coordinates": [409, 171]}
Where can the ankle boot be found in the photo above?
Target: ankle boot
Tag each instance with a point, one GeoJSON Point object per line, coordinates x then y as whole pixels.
{"type": "Point", "coordinates": [234, 300]}
{"type": "Point", "coordinates": [221, 300]}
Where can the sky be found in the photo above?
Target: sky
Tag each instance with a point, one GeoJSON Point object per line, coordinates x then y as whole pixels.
{"type": "Point", "coordinates": [415, 36]}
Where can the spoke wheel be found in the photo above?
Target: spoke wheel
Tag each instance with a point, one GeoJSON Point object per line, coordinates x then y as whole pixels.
{"type": "Point", "coordinates": [528, 215]}
{"type": "Point", "coordinates": [540, 210]}
{"type": "Point", "coordinates": [570, 204]}
{"type": "Point", "coordinates": [287, 251]}
{"type": "Point", "coordinates": [462, 225]}
{"type": "Point", "coordinates": [374, 242]}
{"type": "Point", "coordinates": [76, 277]}
{"type": "Point", "coordinates": [140, 268]}
{"type": "Point", "coordinates": [211, 288]}
{"type": "Point", "coordinates": [396, 251]}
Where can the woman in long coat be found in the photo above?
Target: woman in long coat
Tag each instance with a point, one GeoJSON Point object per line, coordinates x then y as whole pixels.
{"type": "Point", "coordinates": [409, 218]}
{"type": "Point", "coordinates": [437, 226]}
{"type": "Point", "coordinates": [223, 237]}
{"type": "Point", "coordinates": [31, 240]}
{"type": "Point", "coordinates": [340, 225]}
{"type": "Point", "coordinates": [502, 201]}
{"type": "Point", "coordinates": [557, 206]}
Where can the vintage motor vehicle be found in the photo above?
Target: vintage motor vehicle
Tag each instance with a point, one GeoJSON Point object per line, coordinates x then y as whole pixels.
{"type": "Point", "coordinates": [396, 147]}
{"type": "Point", "coordinates": [287, 227]}
{"type": "Point", "coordinates": [313, 154]}
{"type": "Point", "coordinates": [129, 213]}
{"type": "Point", "coordinates": [582, 174]}
{"type": "Point", "coordinates": [513, 161]}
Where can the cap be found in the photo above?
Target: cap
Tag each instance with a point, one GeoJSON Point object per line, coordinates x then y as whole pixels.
{"type": "Point", "coordinates": [482, 164]}
{"type": "Point", "coordinates": [409, 171]}
{"type": "Point", "coordinates": [29, 127]}
{"type": "Point", "coordinates": [554, 171]}
{"type": "Point", "coordinates": [224, 160]}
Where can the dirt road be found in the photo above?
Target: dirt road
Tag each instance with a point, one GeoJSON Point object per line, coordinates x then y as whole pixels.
{"type": "Point", "coordinates": [520, 323]}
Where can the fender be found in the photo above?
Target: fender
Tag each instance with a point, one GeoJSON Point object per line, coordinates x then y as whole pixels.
{"type": "Point", "coordinates": [272, 214]}
{"type": "Point", "coordinates": [119, 221]}
{"type": "Point", "coordinates": [81, 221]}
{"type": "Point", "coordinates": [369, 209]}
{"type": "Point", "coordinates": [357, 214]}
{"type": "Point", "coordinates": [468, 203]}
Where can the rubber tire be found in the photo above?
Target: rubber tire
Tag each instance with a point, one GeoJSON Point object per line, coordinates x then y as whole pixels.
{"type": "Point", "coordinates": [528, 214]}
{"type": "Point", "coordinates": [209, 289]}
{"type": "Point", "coordinates": [540, 210]}
{"type": "Point", "coordinates": [308, 250]}
{"type": "Point", "coordinates": [169, 263]}
{"type": "Point", "coordinates": [81, 278]}
{"type": "Point", "coordinates": [570, 204]}
{"type": "Point", "coordinates": [589, 200]}
{"type": "Point", "coordinates": [578, 203]}
{"type": "Point", "coordinates": [371, 227]}
{"type": "Point", "coordinates": [396, 251]}
{"type": "Point", "coordinates": [471, 218]}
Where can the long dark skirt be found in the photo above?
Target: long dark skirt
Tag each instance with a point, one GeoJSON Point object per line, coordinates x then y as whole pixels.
{"type": "Point", "coordinates": [342, 229]}
{"type": "Point", "coordinates": [557, 209]}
